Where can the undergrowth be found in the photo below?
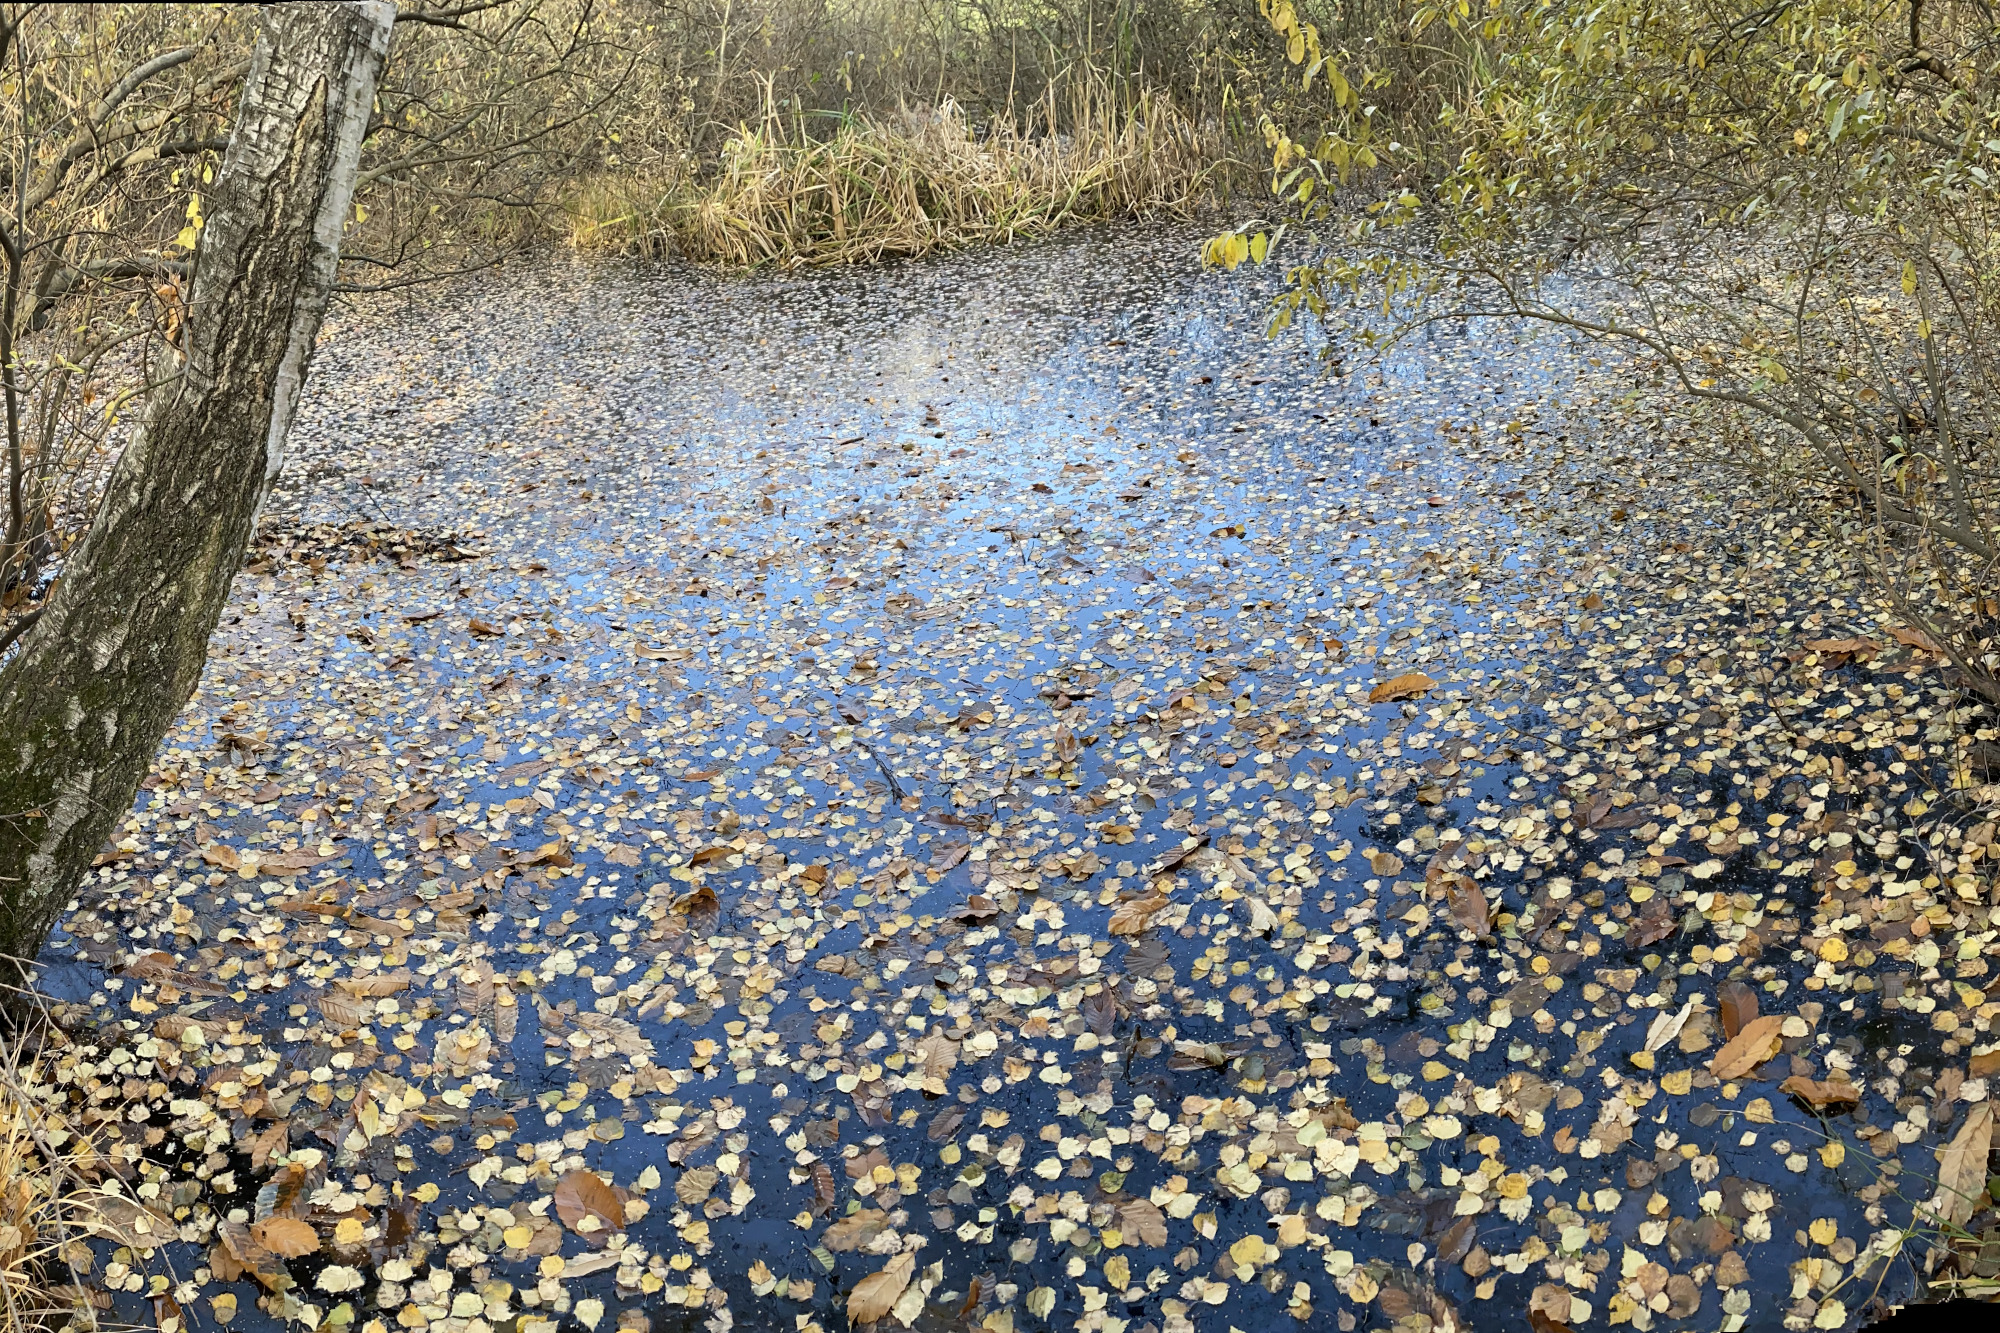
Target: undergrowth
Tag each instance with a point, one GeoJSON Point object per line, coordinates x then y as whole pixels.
{"type": "Point", "coordinates": [49, 1201]}
{"type": "Point", "coordinates": [856, 189]}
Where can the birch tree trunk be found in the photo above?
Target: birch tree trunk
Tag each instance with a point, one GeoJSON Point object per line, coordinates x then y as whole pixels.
{"type": "Point", "coordinates": [121, 643]}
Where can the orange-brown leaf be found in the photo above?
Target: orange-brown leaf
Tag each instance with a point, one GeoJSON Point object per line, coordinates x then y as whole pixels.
{"type": "Point", "coordinates": [1131, 917]}
{"type": "Point", "coordinates": [1409, 685]}
{"type": "Point", "coordinates": [1739, 1005]}
{"type": "Point", "coordinates": [1740, 1055]}
{"type": "Point", "coordinates": [286, 1237]}
{"type": "Point", "coordinates": [1821, 1093]}
{"type": "Point", "coordinates": [873, 1296]}
{"type": "Point", "coordinates": [582, 1194]}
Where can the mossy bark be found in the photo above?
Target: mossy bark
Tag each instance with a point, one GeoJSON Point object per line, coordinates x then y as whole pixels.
{"type": "Point", "coordinates": [122, 641]}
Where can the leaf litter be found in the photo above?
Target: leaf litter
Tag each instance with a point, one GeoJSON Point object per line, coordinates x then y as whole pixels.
{"type": "Point", "coordinates": [1014, 802]}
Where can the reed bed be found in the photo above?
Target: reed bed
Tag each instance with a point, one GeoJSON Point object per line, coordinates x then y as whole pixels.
{"type": "Point", "coordinates": [913, 183]}
{"type": "Point", "coordinates": [51, 1197]}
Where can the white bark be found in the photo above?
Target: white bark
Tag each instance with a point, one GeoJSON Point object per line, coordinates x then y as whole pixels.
{"type": "Point", "coordinates": [124, 636]}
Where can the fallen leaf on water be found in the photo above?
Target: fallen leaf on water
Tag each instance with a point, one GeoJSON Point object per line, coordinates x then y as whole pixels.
{"type": "Point", "coordinates": [1665, 1027]}
{"type": "Point", "coordinates": [1738, 1004]}
{"type": "Point", "coordinates": [1469, 907]}
{"type": "Point", "coordinates": [1757, 1042]}
{"type": "Point", "coordinates": [1820, 1094]}
{"type": "Point", "coordinates": [855, 1230]}
{"type": "Point", "coordinates": [1549, 1309]}
{"type": "Point", "coordinates": [1844, 648]}
{"type": "Point", "coordinates": [1409, 685]}
{"type": "Point", "coordinates": [1130, 917]}
{"type": "Point", "coordinates": [582, 1194]}
{"type": "Point", "coordinates": [1916, 638]}
{"type": "Point", "coordinates": [286, 1237]}
{"type": "Point", "coordinates": [873, 1296]}
{"type": "Point", "coordinates": [1142, 1222]}
{"type": "Point", "coordinates": [1962, 1166]}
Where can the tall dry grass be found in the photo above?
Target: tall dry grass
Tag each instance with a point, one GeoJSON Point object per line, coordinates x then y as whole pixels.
{"type": "Point", "coordinates": [51, 1198]}
{"type": "Point", "coordinates": [866, 188]}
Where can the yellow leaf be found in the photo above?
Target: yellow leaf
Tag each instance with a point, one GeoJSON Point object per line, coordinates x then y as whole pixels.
{"type": "Point", "coordinates": [1832, 1153]}
{"type": "Point", "coordinates": [348, 1231]}
{"type": "Point", "coordinates": [1118, 1271]}
{"type": "Point", "coordinates": [1824, 1231]}
{"type": "Point", "coordinates": [1834, 950]}
{"type": "Point", "coordinates": [1249, 1252]}
{"type": "Point", "coordinates": [1909, 278]}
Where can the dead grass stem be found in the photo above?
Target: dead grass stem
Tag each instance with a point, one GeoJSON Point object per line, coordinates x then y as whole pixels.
{"type": "Point", "coordinates": [919, 181]}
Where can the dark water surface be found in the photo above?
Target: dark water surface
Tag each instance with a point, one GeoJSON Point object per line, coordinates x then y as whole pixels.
{"type": "Point", "coordinates": [882, 764]}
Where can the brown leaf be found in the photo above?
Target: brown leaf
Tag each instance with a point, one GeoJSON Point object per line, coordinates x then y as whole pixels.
{"type": "Point", "coordinates": [1100, 1011]}
{"type": "Point", "coordinates": [286, 1237]}
{"type": "Point", "coordinates": [582, 1194]}
{"type": "Point", "coordinates": [1820, 1094]}
{"type": "Point", "coordinates": [945, 1123]}
{"type": "Point", "coordinates": [1740, 1055]}
{"type": "Point", "coordinates": [1844, 648]}
{"type": "Point", "coordinates": [862, 1163]}
{"type": "Point", "coordinates": [289, 864]}
{"type": "Point", "coordinates": [1132, 916]}
{"type": "Point", "coordinates": [1456, 1243]}
{"type": "Point", "coordinates": [855, 1230]}
{"type": "Point", "coordinates": [874, 1295]}
{"type": "Point", "coordinates": [1738, 1004]}
{"type": "Point", "coordinates": [1142, 1223]}
{"type": "Point", "coordinates": [1916, 638]}
{"type": "Point", "coordinates": [977, 908]}
{"type": "Point", "coordinates": [273, 1142]}
{"type": "Point", "coordinates": [1548, 1309]}
{"type": "Point", "coordinates": [1409, 685]}
{"type": "Point", "coordinates": [485, 629]}
{"type": "Point", "coordinates": [1469, 907]}
{"type": "Point", "coordinates": [377, 984]}
{"type": "Point", "coordinates": [822, 1178]}
{"type": "Point", "coordinates": [1384, 863]}
{"type": "Point", "coordinates": [1962, 1166]}
{"type": "Point", "coordinates": [1654, 923]}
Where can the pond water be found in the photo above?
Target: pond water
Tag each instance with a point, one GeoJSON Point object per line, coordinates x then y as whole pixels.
{"type": "Point", "coordinates": [880, 769]}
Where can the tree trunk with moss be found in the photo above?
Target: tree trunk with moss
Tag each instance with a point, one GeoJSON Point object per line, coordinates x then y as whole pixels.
{"type": "Point", "coordinates": [121, 643]}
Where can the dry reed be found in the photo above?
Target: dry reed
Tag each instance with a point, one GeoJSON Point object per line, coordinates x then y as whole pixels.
{"type": "Point", "coordinates": [910, 184]}
{"type": "Point", "coordinates": [49, 1201]}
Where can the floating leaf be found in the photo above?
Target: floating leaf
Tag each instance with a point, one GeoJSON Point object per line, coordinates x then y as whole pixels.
{"type": "Point", "coordinates": [1409, 685]}
{"type": "Point", "coordinates": [855, 1230]}
{"type": "Point", "coordinates": [1738, 1004]}
{"type": "Point", "coordinates": [1142, 1222]}
{"type": "Point", "coordinates": [1962, 1166]}
{"type": "Point", "coordinates": [286, 1237]}
{"type": "Point", "coordinates": [875, 1295]}
{"type": "Point", "coordinates": [583, 1194]}
{"type": "Point", "coordinates": [1822, 1095]}
{"type": "Point", "coordinates": [1759, 1040]}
